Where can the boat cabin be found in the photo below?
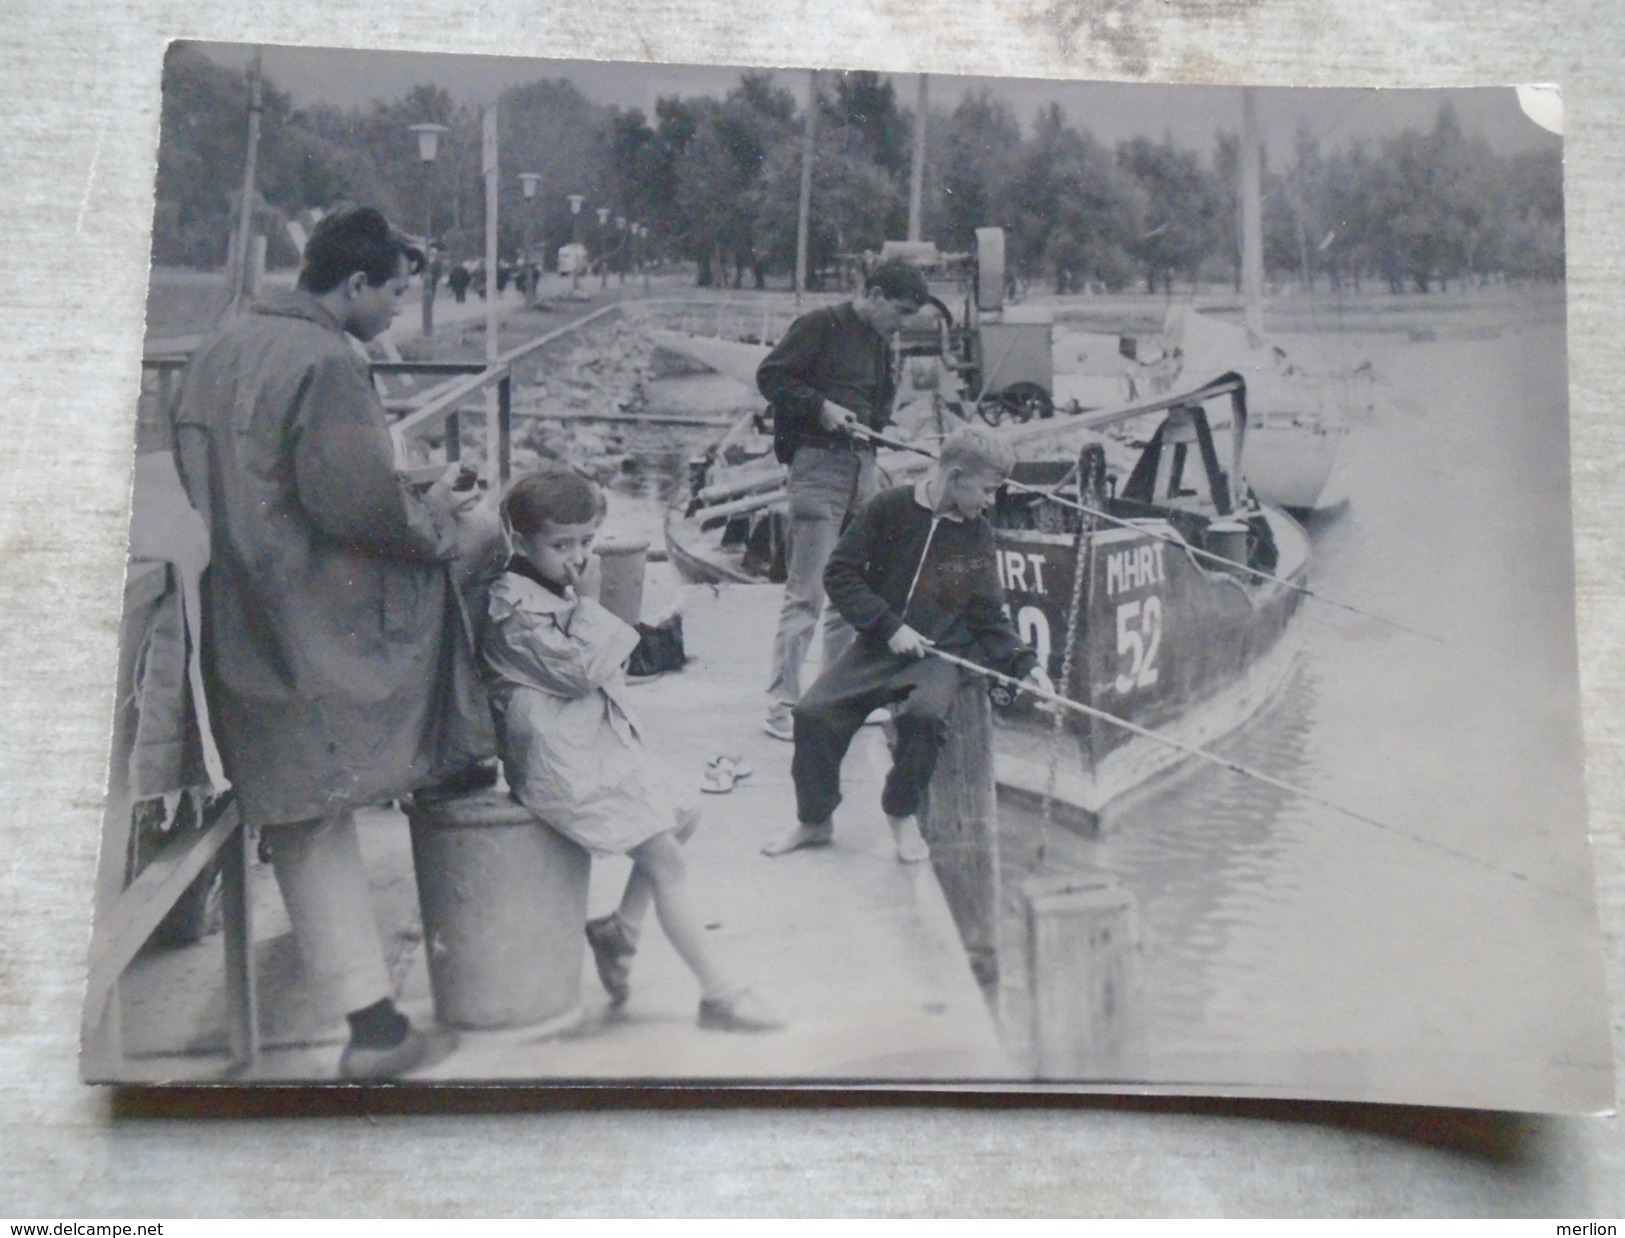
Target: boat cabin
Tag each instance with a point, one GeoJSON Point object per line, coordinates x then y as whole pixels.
{"type": "Point", "coordinates": [1177, 478]}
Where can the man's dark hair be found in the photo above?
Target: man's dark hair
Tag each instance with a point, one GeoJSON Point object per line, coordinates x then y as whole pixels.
{"type": "Point", "coordinates": [553, 495]}
{"type": "Point", "coordinates": [898, 281]}
{"type": "Point", "coordinates": [356, 238]}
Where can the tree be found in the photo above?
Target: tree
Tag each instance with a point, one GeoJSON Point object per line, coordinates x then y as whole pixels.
{"type": "Point", "coordinates": [551, 128]}
{"type": "Point", "coordinates": [204, 128]}
{"type": "Point", "coordinates": [855, 202]}
{"type": "Point", "coordinates": [1182, 216]}
{"type": "Point", "coordinates": [1531, 187]}
{"type": "Point", "coordinates": [866, 103]}
{"type": "Point", "coordinates": [1072, 215]}
{"type": "Point", "coordinates": [719, 178]}
{"type": "Point", "coordinates": [975, 164]}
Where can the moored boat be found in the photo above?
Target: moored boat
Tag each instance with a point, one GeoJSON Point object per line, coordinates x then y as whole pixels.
{"type": "Point", "coordinates": [1170, 584]}
{"type": "Point", "coordinates": [1297, 416]}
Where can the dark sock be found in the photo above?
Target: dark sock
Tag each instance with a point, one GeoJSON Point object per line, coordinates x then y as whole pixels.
{"type": "Point", "coordinates": [379, 1026]}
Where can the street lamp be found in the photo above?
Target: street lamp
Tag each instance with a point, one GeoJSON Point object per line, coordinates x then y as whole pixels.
{"type": "Point", "coordinates": [577, 200]}
{"type": "Point", "coordinates": [603, 248]}
{"type": "Point", "coordinates": [531, 181]}
{"type": "Point", "coordinates": [620, 249]}
{"type": "Point", "coordinates": [428, 135]}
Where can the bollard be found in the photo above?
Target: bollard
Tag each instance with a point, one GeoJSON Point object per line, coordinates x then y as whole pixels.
{"type": "Point", "coordinates": [1228, 540]}
{"type": "Point", "coordinates": [504, 902]}
{"type": "Point", "coordinates": [621, 592]}
{"type": "Point", "coordinates": [1083, 965]}
{"type": "Point", "coordinates": [960, 822]}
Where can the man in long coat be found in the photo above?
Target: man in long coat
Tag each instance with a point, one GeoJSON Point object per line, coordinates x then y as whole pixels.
{"type": "Point", "coordinates": [338, 659]}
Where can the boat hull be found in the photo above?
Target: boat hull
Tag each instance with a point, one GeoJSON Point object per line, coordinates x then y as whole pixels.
{"type": "Point", "coordinates": [1292, 466]}
{"type": "Point", "coordinates": [1163, 641]}
{"type": "Point", "coordinates": [704, 557]}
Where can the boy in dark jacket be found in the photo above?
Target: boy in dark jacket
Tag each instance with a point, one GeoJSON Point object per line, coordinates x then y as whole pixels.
{"type": "Point", "coordinates": [915, 571]}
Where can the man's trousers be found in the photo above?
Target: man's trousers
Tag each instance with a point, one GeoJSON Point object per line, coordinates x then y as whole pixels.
{"type": "Point", "coordinates": [827, 485]}
{"type": "Point", "coordinates": [324, 886]}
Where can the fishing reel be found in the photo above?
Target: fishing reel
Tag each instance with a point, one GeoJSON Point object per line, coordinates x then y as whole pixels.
{"type": "Point", "coordinates": [1002, 695]}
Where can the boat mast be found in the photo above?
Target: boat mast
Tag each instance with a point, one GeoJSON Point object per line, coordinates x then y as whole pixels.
{"type": "Point", "coordinates": [1252, 219]}
{"type": "Point", "coordinates": [916, 179]}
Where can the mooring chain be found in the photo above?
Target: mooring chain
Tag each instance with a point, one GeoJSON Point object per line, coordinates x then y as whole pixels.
{"type": "Point", "coordinates": [1057, 718]}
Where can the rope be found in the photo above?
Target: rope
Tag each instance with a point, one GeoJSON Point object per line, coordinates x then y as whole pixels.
{"type": "Point", "coordinates": [1180, 542]}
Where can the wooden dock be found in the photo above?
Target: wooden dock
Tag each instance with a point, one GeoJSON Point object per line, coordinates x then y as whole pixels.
{"type": "Point", "coordinates": [859, 952]}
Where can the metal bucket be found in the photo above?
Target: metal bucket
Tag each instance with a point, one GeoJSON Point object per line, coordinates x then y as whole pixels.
{"type": "Point", "coordinates": [504, 901]}
{"type": "Point", "coordinates": [624, 561]}
{"type": "Point", "coordinates": [1228, 540]}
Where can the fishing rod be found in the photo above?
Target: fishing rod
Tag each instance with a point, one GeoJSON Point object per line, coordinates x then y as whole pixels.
{"type": "Point", "coordinates": [881, 440]}
{"type": "Point", "coordinates": [1057, 701]}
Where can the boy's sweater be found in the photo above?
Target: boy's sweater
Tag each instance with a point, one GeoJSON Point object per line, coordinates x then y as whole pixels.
{"type": "Point", "coordinates": [957, 602]}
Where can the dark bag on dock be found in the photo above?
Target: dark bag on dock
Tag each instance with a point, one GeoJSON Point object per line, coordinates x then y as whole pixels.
{"type": "Point", "coordinates": [660, 649]}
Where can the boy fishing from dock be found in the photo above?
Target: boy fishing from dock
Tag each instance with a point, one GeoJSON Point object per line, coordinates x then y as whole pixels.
{"type": "Point", "coordinates": [915, 572]}
{"type": "Point", "coordinates": [571, 748]}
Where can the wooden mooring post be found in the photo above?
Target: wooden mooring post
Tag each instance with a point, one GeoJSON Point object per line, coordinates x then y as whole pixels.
{"type": "Point", "coordinates": [961, 824]}
{"type": "Point", "coordinates": [1082, 944]}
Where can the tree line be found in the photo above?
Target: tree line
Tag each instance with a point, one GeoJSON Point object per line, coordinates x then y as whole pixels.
{"type": "Point", "coordinates": [716, 182]}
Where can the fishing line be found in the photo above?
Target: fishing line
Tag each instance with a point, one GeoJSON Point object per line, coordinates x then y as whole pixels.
{"type": "Point", "coordinates": [1179, 542]}
{"type": "Point", "coordinates": [1056, 700]}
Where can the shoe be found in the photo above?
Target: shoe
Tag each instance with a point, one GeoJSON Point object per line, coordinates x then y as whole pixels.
{"type": "Point", "coordinates": [610, 952]}
{"type": "Point", "coordinates": [911, 845]}
{"type": "Point", "coordinates": [742, 1012]}
{"type": "Point", "coordinates": [779, 726]}
{"type": "Point", "coordinates": [363, 1063]}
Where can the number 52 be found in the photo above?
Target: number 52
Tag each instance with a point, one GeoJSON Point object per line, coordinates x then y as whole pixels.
{"type": "Point", "coordinates": [1139, 636]}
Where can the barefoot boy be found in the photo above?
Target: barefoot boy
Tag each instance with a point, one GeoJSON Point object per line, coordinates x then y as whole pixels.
{"type": "Point", "coordinates": [914, 570]}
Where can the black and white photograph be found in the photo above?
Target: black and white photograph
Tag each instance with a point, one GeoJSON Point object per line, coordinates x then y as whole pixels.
{"type": "Point", "coordinates": [645, 574]}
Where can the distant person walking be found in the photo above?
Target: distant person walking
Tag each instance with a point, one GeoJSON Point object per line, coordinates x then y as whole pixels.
{"type": "Point", "coordinates": [338, 661]}
{"type": "Point", "coordinates": [458, 281]}
{"type": "Point", "coordinates": [830, 373]}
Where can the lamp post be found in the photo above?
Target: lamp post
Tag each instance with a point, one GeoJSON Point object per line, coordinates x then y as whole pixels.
{"type": "Point", "coordinates": [603, 248]}
{"type": "Point", "coordinates": [577, 200]}
{"type": "Point", "coordinates": [620, 249]}
{"type": "Point", "coordinates": [531, 181]}
{"type": "Point", "coordinates": [428, 147]}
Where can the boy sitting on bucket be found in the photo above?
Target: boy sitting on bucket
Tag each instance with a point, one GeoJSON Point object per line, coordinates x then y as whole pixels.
{"type": "Point", "coordinates": [914, 571]}
{"type": "Point", "coordinates": [572, 752]}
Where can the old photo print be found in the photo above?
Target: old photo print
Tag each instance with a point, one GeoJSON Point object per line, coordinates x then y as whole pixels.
{"type": "Point", "coordinates": [1239, 752]}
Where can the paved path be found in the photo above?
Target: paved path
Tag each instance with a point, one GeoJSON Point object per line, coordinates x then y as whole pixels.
{"type": "Point", "coordinates": [857, 950]}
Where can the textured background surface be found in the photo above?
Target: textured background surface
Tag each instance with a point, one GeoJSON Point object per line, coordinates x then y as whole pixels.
{"type": "Point", "coordinates": [79, 85]}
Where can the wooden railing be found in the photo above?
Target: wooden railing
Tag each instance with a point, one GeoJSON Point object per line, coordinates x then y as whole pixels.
{"type": "Point", "coordinates": [131, 906]}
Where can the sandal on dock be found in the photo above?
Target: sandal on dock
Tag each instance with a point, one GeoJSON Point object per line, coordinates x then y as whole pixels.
{"type": "Point", "coordinates": [721, 773]}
